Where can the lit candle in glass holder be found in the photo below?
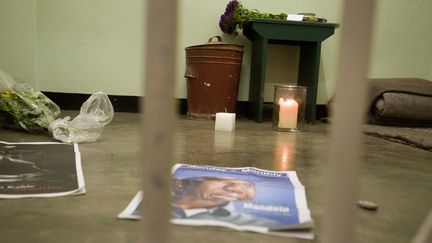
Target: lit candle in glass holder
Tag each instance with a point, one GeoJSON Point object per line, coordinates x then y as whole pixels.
{"type": "Point", "coordinates": [287, 113]}
{"type": "Point", "coordinates": [289, 107]}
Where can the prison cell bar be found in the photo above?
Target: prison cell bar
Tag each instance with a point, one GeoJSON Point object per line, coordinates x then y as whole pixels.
{"type": "Point", "coordinates": [346, 130]}
{"type": "Point", "coordinates": [158, 118]}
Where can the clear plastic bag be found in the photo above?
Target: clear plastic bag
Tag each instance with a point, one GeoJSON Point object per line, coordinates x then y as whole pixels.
{"type": "Point", "coordinates": [24, 108]}
{"type": "Point", "coordinates": [95, 114]}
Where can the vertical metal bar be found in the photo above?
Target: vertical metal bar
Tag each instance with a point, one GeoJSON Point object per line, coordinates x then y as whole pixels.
{"type": "Point", "coordinates": [345, 152]}
{"type": "Point", "coordinates": [158, 119]}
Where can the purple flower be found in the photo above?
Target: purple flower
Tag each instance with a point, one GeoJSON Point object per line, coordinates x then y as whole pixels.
{"type": "Point", "coordinates": [228, 22]}
{"type": "Point", "coordinates": [235, 16]}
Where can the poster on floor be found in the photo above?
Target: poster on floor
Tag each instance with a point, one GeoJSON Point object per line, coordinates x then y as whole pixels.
{"type": "Point", "coordinates": [243, 199]}
{"type": "Point", "coordinates": [40, 169]}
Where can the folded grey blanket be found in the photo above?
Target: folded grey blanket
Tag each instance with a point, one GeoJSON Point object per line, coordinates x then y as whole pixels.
{"type": "Point", "coordinates": [400, 101]}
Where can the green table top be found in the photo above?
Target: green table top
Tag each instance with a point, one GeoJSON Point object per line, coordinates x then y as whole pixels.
{"type": "Point", "coordinates": [275, 29]}
{"type": "Point", "coordinates": [295, 23]}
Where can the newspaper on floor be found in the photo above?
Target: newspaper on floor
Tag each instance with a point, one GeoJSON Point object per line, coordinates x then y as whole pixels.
{"type": "Point", "coordinates": [40, 169]}
{"type": "Point", "coordinates": [243, 199]}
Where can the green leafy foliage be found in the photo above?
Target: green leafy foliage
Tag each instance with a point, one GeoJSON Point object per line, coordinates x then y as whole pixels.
{"type": "Point", "coordinates": [236, 15]}
{"type": "Point", "coordinates": [24, 108]}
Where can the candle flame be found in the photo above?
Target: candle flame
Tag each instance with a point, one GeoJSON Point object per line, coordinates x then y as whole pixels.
{"type": "Point", "coordinates": [288, 101]}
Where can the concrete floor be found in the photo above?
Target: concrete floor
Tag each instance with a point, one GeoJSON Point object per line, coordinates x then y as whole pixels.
{"type": "Point", "coordinates": [396, 177]}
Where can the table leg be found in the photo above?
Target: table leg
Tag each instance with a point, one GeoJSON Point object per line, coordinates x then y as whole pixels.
{"type": "Point", "coordinates": [308, 75]}
{"type": "Point", "coordinates": [257, 79]}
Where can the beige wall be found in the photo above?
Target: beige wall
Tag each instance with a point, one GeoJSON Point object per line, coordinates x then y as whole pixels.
{"type": "Point", "coordinates": [82, 46]}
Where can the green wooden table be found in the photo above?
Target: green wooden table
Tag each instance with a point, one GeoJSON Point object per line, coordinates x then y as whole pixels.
{"type": "Point", "coordinates": [308, 36]}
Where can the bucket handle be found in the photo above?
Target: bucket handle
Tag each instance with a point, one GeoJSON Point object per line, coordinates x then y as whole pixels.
{"type": "Point", "coordinates": [190, 72]}
{"type": "Point", "coordinates": [211, 39]}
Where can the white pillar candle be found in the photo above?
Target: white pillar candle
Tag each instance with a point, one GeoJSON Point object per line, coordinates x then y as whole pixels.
{"type": "Point", "coordinates": [288, 110]}
{"type": "Point", "coordinates": [225, 121]}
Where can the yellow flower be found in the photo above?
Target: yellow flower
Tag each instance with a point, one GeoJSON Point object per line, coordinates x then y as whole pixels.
{"type": "Point", "coordinates": [6, 94]}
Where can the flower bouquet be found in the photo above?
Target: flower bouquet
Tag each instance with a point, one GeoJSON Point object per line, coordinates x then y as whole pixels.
{"type": "Point", "coordinates": [24, 108]}
{"type": "Point", "coordinates": [236, 15]}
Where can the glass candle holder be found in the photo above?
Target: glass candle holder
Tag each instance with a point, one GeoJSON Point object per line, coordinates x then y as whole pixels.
{"type": "Point", "coordinates": [289, 108]}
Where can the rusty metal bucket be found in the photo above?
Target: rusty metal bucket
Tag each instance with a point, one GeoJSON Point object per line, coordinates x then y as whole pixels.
{"type": "Point", "coordinates": [213, 74]}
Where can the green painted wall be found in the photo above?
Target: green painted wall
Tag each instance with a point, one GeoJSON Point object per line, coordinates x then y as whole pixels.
{"type": "Point", "coordinates": [402, 44]}
{"type": "Point", "coordinates": [82, 46]}
{"type": "Point", "coordinates": [85, 46]}
{"type": "Point", "coordinates": [18, 38]}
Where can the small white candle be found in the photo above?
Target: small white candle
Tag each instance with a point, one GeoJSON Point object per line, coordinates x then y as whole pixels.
{"type": "Point", "coordinates": [225, 121]}
{"type": "Point", "coordinates": [288, 110]}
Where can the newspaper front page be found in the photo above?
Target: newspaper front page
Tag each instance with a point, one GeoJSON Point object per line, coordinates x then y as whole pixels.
{"type": "Point", "coordinates": [243, 199]}
{"type": "Point", "coordinates": [40, 169]}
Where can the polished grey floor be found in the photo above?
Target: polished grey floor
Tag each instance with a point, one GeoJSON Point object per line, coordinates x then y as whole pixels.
{"type": "Point", "coordinates": [396, 177]}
